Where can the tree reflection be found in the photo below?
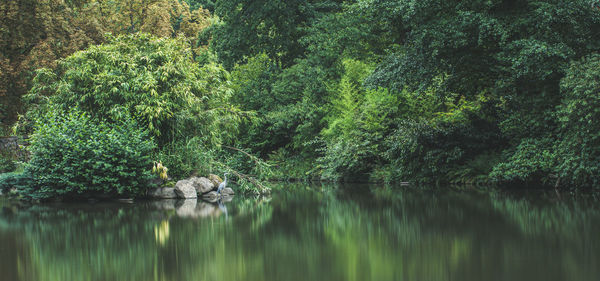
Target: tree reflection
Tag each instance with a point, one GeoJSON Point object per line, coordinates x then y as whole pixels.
{"type": "Point", "coordinates": [316, 233]}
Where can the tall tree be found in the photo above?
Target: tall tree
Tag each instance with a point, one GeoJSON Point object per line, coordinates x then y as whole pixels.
{"type": "Point", "coordinates": [34, 34]}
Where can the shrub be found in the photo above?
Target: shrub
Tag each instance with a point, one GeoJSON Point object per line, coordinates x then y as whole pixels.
{"type": "Point", "coordinates": [73, 155]}
{"type": "Point", "coordinates": [7, 164]}
{"type": "Point", "coordinates": [532, 161]}
{"type": "Point", "coordinates": [9, 181]}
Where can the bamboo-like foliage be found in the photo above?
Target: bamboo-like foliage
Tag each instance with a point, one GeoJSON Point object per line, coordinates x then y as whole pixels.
{"type": "Point", "coordinates": [154, 80]}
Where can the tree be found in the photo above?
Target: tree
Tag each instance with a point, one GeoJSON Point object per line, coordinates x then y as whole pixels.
{"type": "Point", "coordinates": [514, 53]}
{"type": "Point", "coordinates": [204, 4]}
{"type": "Point", "coordinates": [578, 115]}
{"type": "Point", "coordinates": [273, 27]}
{"type": "Point", "coordinates": [35, 34]}
{"type": "Point", "coordinates": [153, 80]}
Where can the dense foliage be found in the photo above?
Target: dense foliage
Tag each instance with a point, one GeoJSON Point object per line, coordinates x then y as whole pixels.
{"type": "Point", "coordinates": [154, 80]}
{"type": "Point", "coordinates": [182, 104]}
{"type": "Point", "coordinates": [452, 91]}
{"type": "Point", "coordinates": [73, 155]}
{"type": "Point", "coordinates": [429, 91]}
{"type": "Point", "coordinates": [35, 34]}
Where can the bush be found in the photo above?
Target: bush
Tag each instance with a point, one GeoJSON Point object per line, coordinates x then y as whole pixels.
{"type": "Point", "coordinates": [9, 181]}
{"type": "Point", "coordinates": [73, 155]}
{"type": "Point", "coordinates": [7, 164]}
{"type": "Point", "coordinates": [532, 161]}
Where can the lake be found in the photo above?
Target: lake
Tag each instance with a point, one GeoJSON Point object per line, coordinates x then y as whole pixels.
{"type": "Point", "coordinates": [310, 232]}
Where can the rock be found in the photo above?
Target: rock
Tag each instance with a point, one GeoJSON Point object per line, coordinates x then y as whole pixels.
{"type": "Point", "coordinates": [163, 193]}
{"type": "Point", "coordinates": [156, 182]}
{"type": "Point", "coordinates": [202, 185]}
{"type": "Point", "coordinates": [186, 208]}
{"type": "Point", "coordinates": [185, 189]}
{"type": "Point", "coordinates": [216, 180]}
{"type": "Point", "coordinates": [211, 196]}
{"type": "Point", "coordinates": [227, 191]}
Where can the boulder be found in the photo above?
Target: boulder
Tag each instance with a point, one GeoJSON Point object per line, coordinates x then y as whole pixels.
{"type": "Point", "coordinates": [163, 193]}
{"type": "Point", "coordinates": [216, 180]}
{"type": "Point", "coordinates": [202, 185]}
{"type": "Point", "coordinates": [185, 189]}
{"type": "Point", "coordinates": [211, 196]}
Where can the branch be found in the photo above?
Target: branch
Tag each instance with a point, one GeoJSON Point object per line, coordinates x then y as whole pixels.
{"type": "Point", "coordinates": [247, 154]}
{"type": "Point", "coordinates": [263, 189]}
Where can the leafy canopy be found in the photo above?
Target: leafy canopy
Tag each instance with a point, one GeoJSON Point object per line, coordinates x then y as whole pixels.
{"type": "Point", "coordinates": [154, 80]}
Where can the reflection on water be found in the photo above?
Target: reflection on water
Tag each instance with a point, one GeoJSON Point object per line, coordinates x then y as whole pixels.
{"type": "Point", "coordinates": [309, 233]}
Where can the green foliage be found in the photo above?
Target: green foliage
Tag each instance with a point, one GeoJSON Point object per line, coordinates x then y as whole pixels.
{"type": "Point", "coordinates": [572, 157]}
{"type": "Point", "coordinates": [445, 91]}
{"type": "Point", "coordinates": [440, 151]}
{"type": "Point", "coordinates": [533, 161]}
{"type": "Point", "coordinates": [13, 180]}
{"type": "Point", "coordinates": [357, 125]}
{"type": "Point", "coordinates": [206, 4]}
{"type": "Point", "coordinates": [398, 136]}
{"type": "Point", "coordinates": [290, 104]}
{"type": "Point", "coordinates": [510, 55]}
{"type": "Point", "coordinates": [154, 80]}
{"type": "Point", "coordinates": [287, 166]}
{"type": "Point", "coordinates": [182, 104]}
{"type": "Point", "coordinates": [7, 164]}
{"type": "Point", "coordinates": [187, 157]}
{"type": "Point", "coordinates": [73, 155]}
{"type": "Point", "coordinates": [251, 27]}
{"type": "Point", "coordinates": [578, 114]}
{"type": "Point", "coordinates": [252, 85]}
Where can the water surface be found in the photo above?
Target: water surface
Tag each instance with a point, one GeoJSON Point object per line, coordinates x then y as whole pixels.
{"type": "Point", "coordinates": [309, 233]}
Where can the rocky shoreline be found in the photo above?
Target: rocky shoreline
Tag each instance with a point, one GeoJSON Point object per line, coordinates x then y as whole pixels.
{"type": "Point", "coordinates": [193, 188]}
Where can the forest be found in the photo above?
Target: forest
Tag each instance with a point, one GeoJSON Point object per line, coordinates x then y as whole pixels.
{"type": "Point", "coordinates": [493, 92]}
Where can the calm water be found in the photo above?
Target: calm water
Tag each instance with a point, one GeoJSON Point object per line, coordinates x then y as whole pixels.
{"type": "Point", "coordinates": [309, 233]}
